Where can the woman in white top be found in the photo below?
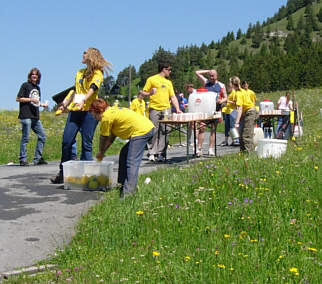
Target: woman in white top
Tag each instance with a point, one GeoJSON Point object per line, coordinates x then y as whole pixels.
{"type": "Point", "coordinates": [283, 122]}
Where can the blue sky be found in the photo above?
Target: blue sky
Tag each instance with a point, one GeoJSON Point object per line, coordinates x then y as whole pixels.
{"type": "Point", "coordinates": [52, 35]}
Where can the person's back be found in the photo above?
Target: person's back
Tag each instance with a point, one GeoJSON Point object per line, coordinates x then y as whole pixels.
{"type": "Point", "coordinates": [138, 105]}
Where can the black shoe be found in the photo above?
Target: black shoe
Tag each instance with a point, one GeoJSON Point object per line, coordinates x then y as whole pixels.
{"type": "Point", "coordinates": [24, 163]}
{"type": "Point", "coordinates": [58, 179]}
{"type": "Point", "coordinates": [40, 162]}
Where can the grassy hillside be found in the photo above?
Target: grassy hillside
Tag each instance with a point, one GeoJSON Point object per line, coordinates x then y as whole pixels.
{"type": "Point", "coordinates": [233, 219]}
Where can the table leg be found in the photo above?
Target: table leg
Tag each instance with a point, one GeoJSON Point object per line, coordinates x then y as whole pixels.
{"type": "Point", "coordinates": [165, 141]}
{"type": "Point", "coordinates": [188, 142]}
{"type": "Point", "coordinates": [215, 139]}
{"type": "Point", "coordinates": [194, 139]}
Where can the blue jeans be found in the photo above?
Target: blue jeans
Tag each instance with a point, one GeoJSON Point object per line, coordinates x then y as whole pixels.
{"type": "Point", "coordinates": [36, 126]}
{"type": "Point", "coordinates": [130, 160]}
{"type": "Point", "coordinates": [84, 122]}
{"type": "Point", "coordinates": [230, 121]}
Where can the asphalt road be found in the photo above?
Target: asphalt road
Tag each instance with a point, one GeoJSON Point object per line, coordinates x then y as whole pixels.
{"type": "Point", "coordinates": [37, 217]}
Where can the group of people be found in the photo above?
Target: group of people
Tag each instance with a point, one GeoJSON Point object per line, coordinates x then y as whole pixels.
{"type": "Point", "coordinates": [85, 110]}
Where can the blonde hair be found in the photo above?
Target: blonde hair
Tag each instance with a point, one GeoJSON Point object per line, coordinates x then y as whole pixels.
{"type": "Point", "coordinates": [235, 81]}
{"type": "Point", "coordinates": [96, 61]}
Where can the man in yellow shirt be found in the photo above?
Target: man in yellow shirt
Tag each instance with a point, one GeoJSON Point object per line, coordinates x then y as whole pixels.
{"type": "Point", "coordinates": [138, 105]}
{"type": "Point", "coordinates": [126, 124]}
{"type": "Point", "coordinates": [161, 92]}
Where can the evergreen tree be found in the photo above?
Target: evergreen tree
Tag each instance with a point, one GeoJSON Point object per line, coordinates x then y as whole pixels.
{"type": "Point", "coordinates": [239, 34]}
{"type": "Point", "coordinates": [212, 45]}
{"type": "Point", "coordinates": [319, 15]}
{"type": "Point", "coordinates": [290, 24]}
{"type": "Point", "coordinates": [249, 31]}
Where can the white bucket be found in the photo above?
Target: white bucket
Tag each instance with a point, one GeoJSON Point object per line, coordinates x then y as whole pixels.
{"type": "Point", "coordinates": [258, 134]}
{"type": "Point", "coordinates": [271, 148]}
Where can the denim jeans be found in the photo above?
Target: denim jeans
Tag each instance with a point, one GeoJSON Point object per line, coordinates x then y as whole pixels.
{"type": "Point", "coordinates": [36, 126]}
{"type": "Point", "coordinates": [130, 160]}
{"type": "Point", "coordinates": [84, 122]}
{"type": "Point", "coordinates": [230, 121]}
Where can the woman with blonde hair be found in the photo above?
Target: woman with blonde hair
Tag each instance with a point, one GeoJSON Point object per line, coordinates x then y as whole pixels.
{"type": "Point", "coordinates": [246, 113]}
{"type": "Point", "coordinates": [78, 101]}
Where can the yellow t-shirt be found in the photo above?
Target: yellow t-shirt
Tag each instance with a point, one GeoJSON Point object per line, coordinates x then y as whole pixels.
{"type": "Point", "coordinates": [161, 99]}
{"type": "Point", "coordinates": [252, 95]}
{"type": "Point", "coordinates": [230, 107]}
{"type": "Point", "coordinates": [124, 123]}
{"type": "Point", "coordinates": [138, 106]}
{"type": "Point", "coordinates": [82, 86]}
{"type": "Point", "coordinates": [244, 100]}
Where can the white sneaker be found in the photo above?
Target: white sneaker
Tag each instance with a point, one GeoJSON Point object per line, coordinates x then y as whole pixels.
{"type": "Point", "coordinates": [151, 158]}
{"type": "Point", "coordinates": [211, 152]}
{"type": "Point", "coordinates": [199, 153]}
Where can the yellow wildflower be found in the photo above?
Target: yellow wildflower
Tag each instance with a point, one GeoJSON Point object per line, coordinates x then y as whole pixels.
{"type": "Point", "coordinates": [139, 212]}
{"type": "Point", "coordinates": [226, 236]}
{"type": "Point", "coordinates": [216, 252]}
{"type": "Point", "coordinates": [316, 168]}
{"type": "Point", "coordinates": [293, 138]}
{"type": "Point", "coordinates": [299, 148]}
{"type": "Point", "coordinates": [294, 270]}
{"type": "Point", "coordinates": [155, 253]}
{"type": "Point", "coordinates": [277, 172]}
{"type": "Point", "coordinates": [312, 249]}
{"type": "Point", "coordinates": [187, 258]}
{"type": "Point", "coordinates": [222, 266]}
{"type": "Point", "coordinates": [242, 235]}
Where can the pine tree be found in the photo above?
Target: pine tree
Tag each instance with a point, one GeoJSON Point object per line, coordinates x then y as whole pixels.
{"type": "Point", "coordinates": [290, 24]}
{"type": "Point", "coordinates": [319, 15]}
{"type": "Point", "coordinates": [239, 34]}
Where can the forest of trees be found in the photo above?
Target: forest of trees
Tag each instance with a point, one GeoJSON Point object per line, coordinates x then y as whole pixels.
{"type": "Point", "coordinates": [284, 58]}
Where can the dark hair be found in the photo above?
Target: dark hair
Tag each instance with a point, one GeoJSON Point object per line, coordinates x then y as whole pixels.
{"type": "Point", "coordinates": [98, 106]}
{"type": "Point", "coordinates": [189, 86]}
{"type": "Point", "coordinates": [38, 73]}
{"type": "Point", "coordinates": [244, 82]}
{"type": "Point", "coordinates": [162, 65]}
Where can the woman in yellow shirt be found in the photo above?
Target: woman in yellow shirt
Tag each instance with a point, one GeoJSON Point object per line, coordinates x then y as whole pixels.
{"type": "Point", "coordinates": [87, 82]}
{"type": "Point", "coordinates": [246, 112]}
{"type": "Point", "coordinates": [126, 124]}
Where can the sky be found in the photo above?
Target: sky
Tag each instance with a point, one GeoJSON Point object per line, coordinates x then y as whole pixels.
{"type": "Point", "coordinates": [52, 35]}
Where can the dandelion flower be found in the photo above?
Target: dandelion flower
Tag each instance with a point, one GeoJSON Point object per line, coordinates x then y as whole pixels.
{"type": "Point", "coordinates": [277, 172]}
{"type": "Point", "coordinates": [294, 270]}
{"type": "Point", "coordinates": [139, 212]}
{"type": "Point", "coordinates": [226, 236]}
{"type": "Point", "coordinates": [156, 253]}
{"type": "Point", "coordinates": [312, 249]}
{"type": "Point", "coordinates": [293, 138]}
{"type": "Point", "coordinates": [216, 252]}
{"type": "Point", "coordinates": [187, 258]}
{"type": "Point", "coordinates": [222, 266]}
{"type": "Point", "coordinates": [231, 269]}
{"type": "Point", "coordinates": [316, 168]}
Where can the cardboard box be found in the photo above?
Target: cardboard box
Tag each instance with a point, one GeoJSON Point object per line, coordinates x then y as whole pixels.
{"type": "Point", "coordinates": [88, 175]}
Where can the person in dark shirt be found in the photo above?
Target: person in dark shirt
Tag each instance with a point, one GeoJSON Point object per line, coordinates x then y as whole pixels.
{"type": "Point", "coordinates": [29, 103]}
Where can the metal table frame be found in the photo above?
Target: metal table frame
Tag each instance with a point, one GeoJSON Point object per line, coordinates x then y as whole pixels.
{"type": "Point", "coordinates": [174, 126]}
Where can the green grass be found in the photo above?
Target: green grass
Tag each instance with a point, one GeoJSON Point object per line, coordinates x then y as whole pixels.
{"type": "Point", "coordinates": [233, 219]}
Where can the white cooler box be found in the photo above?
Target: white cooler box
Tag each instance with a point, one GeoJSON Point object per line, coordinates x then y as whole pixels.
{"type": "Point", "coordinates": [88, 175]}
